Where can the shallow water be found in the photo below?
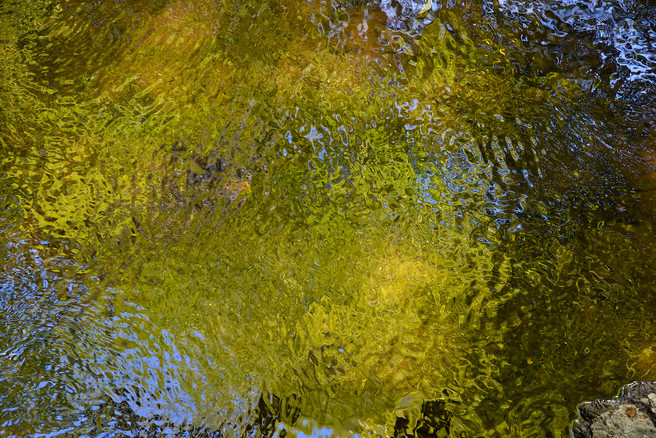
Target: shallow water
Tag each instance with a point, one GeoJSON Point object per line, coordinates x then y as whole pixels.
{"type": "Point", "coordinates": [320, 218]}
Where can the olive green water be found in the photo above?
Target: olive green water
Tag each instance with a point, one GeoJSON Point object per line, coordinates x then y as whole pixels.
{"type": "Point", "coordinates": [285, 217]}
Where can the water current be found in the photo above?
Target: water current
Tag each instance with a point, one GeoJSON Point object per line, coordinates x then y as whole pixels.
{"type": "Point", "coordinates": [323, 218]}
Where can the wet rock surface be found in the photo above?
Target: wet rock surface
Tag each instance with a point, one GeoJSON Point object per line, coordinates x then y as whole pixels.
{"type": "Point", "coordinates": [631, 414]}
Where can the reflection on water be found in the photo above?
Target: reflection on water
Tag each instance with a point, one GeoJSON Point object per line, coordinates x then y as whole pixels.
{"type": "Point", "coordinates": [323, 218]}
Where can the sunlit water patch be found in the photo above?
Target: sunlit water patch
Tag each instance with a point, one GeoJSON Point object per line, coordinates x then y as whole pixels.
{"type": "Point", "coordinates": [299, 218]}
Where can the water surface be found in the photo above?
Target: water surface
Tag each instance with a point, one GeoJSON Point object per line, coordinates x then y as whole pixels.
{"type": "Point", "coordinates": [323, 218]}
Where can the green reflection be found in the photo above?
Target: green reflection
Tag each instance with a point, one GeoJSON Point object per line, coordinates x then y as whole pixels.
{"type": "Point", "coordinates": [290, 201]}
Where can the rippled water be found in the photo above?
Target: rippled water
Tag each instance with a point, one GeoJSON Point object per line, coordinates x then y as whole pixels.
{"type": "Point", "coordinates": [319, 218]}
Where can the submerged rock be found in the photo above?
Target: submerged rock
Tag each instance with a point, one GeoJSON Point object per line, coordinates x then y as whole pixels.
{"type": "Point", "coordinates": [632, 414]}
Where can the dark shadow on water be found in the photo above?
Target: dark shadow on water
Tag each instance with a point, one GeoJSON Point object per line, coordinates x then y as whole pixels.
{"type": "Point", "coordinates": [270, 416]}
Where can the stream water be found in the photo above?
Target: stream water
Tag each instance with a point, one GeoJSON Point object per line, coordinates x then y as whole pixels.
{"type": "Point", "coordinates": [323, 218]}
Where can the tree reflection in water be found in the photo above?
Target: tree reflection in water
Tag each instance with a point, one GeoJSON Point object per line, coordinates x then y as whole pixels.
{"type": "Point", "coordinates": [279, 217]}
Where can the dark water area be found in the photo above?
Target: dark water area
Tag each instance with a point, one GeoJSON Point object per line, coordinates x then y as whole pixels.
{"type": "Point", "coordinates": [322, 218]}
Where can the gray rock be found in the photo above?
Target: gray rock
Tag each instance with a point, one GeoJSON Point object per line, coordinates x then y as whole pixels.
{"type": "Point", "coordinates": [631, 414]}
